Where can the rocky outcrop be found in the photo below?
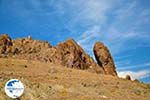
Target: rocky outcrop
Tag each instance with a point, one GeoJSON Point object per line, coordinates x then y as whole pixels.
{"type": "Point", "coordinates": [104, 58]}
{"type": "Point", "coordinates": [67, 53]}
{"type": "Point", "coordinates": [72, 55]}
{"type": "Point", "coordinates": [28, 45]}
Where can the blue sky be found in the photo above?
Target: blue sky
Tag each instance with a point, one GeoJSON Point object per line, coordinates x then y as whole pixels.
{"type": "Point", "coordinates": [123, 25]}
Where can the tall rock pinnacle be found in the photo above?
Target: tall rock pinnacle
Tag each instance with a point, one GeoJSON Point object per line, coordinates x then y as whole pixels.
{"type": "Point", "coordinates": [104, 58]}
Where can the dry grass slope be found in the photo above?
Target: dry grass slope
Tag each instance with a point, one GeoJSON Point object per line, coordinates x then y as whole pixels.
{"type": "Point", "coordinates": [47, 81]}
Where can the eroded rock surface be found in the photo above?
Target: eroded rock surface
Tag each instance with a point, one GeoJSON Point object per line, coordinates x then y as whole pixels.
{"type": "Point", "coordinates": [67, 53]}
{"type": "Point", "coordinates": [104, 58]}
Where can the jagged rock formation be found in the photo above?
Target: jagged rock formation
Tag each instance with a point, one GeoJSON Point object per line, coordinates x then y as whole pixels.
{"type": "Point", "coordinates": [28, 45]}
{"type": "Point", "coordinates": [67, 53]}
{"type": "Point", "coordinates": [72, 55]}
{"type": "Point", "coordinates": [104, 58]}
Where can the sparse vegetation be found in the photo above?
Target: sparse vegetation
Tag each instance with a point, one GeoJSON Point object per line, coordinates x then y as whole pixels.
{"type": "Point", "coordinates": [50, 81]}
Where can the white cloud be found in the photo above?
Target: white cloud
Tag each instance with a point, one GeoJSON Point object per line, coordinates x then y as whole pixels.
{"type": "Point", "coordinates": [126, 10]}
{"type": "Point", "coordinates": [123, 29]}
{"type": "Point", "coordinates": [97, 10]}
{"type": "Point", "coordinates": [88, 35]}
{"type": "Point", "coordinates": [88, 13]}
{"type": "Point", "coordinates": [134, 66]}
{"type": "Point", "coordinates": [135, 75]}
{"type": "Point", "coordinates": [113, 22]}
{"type": "Point", "coordinates": [87, 39]}
{"type": "Point", "coordinates": [118, 33]}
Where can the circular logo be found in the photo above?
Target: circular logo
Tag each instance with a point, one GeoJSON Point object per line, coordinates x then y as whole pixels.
{"type": "Point", "coordinates": [14, 88]}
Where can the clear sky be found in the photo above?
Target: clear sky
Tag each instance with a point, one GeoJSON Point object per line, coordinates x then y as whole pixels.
{"type": "Point", "coordinates": [123, 25]}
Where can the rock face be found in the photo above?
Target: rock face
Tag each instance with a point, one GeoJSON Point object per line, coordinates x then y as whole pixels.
{"type": "Point", "coordinates": [67, 53]}
{"type": "Point", "coordinates": [72, 55]}
{"type": "Point", "coordinates": [104, 58]}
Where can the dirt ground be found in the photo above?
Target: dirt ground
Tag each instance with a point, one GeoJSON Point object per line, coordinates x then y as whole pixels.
{"type": "Point", "coordinates": [47, 81]}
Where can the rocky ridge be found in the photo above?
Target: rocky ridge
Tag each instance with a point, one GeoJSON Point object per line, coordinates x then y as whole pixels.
{"type": "Point", "coordinates": [67, 53]}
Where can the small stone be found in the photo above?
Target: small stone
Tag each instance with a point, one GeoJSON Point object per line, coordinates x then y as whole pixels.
{"type": "Point", "coordinates": [25, 66]}
{"type": "Point", "coordinates": [128, 77]}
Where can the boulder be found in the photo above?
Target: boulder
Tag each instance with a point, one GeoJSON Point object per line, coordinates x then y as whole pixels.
{"type": "Point", "coordinates": [128, 77]}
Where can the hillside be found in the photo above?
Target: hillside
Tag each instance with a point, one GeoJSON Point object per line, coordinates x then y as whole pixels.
{"type": "Point", "coordinates": [64, 72]}
{"type": "Point", "coordinates": [47, 81]}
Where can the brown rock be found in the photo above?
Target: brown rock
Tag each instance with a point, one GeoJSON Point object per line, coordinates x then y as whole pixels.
{"type": "Point", "coordinates": [72, 55]}
{"type": "Point", "coordinates": [128, 77]}
{"type": "Point", "coordinates": [5, 43]}
{"type": "Point", "coordinates": [104, 58]}
{"type": "Point", "coordinates": [28, 45]}
{"type": "Point", "coordinates": [67, 53]}
{"type": "Point", "coordinates": [5, 40]}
